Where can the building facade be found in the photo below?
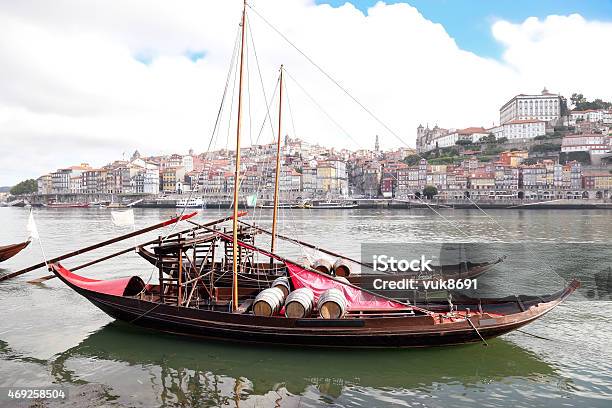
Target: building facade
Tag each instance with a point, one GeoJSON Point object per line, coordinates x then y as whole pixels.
{"type": "Point", "coordinates": [547, 107]}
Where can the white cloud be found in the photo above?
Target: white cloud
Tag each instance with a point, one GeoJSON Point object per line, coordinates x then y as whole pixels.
{"type": "Point", "coordinates": [72, 87]}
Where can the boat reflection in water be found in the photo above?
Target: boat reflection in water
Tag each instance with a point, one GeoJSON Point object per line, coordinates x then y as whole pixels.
{"type": "Point", "coordinates": [138, 368]}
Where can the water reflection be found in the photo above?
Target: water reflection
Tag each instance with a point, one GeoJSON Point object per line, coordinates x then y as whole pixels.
{"type": "Point", "coordinates": [169, 370]}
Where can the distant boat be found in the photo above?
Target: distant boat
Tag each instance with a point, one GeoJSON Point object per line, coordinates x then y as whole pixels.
{"type": "Point", "coordinates": [329, 205]}
{"type": "Point", "coordinates": [18, 203]}
{"type": "Point", "coordinates": [197, 202]}
{"type": "Point", "coordinates": [68, 205]}
{"type": "Point", "coordinates": [281, 205]}
{"type": "Point", "coordinates": [10, 251]}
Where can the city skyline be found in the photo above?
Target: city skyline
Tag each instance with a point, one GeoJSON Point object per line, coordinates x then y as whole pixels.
{"type": "Point", "coordinates": [110, 82]}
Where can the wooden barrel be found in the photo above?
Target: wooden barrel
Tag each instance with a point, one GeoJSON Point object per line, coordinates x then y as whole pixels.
{"type": "Point", "coordinates": [342, 268]}
{"type": "Point", "coordinates": [332, 304]}
{"type": "Point", "coordinates": [322, 265]}
{"type": "Point", "coordinates": [342, 279]}
{"type": "Point", "coordinates": [299, 303]}
{"type": "Point", "coordinates": [268, 302]}
{"type": "Point", "coordinates": [283, 284]}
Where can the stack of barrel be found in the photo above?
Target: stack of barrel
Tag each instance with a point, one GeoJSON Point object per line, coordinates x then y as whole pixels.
{"type": "Point", "coordinates": [299, 303]}
{"type": "Point", "coordinates": [340, 268]}
{"type": "Point", "coordinates": [270, 301]}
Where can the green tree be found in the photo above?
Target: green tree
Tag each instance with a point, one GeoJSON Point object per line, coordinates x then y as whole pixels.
{"type": "Point", "coordinates": [412, 160]}
{"type": "Point", "coordinates": [581, 103]}
{"type": "Point", "coordinates": [462, 142]}
{"type": "Point", "coordinates": [502, 140]}
{"type": "Point", "coordinates": [25, 187]}
{"type": "Point", "coordinates": [430, 191]}
{"type": "Point", "coordinates": [490, 138]}
{"type": "Point", "coordinates": [577, 99]}
{"type": "Point", "coordinates": [581, 157]}
{"type": "Point", "coordinates": [545, 148]}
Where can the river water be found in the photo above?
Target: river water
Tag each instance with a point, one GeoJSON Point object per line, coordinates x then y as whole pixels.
{"type": "Point", "coordinates": [51, 335]}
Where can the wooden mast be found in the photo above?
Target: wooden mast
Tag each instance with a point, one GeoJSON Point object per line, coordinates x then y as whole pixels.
{"type": "Point", "coordinates": [277, 174]}
{"type": "Point", "coordinates": [237, 170]}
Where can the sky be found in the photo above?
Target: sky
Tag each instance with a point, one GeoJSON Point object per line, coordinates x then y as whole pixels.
{"type": "Point", "coordinates": [93, 80]}
{"type": "Point", "coordinates": [469, 22]}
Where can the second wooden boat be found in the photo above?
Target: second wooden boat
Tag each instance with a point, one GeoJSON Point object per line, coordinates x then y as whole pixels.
{"type": "Point", "coordinates": [10, 251]}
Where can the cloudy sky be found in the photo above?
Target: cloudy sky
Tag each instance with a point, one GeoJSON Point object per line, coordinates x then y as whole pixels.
{"type": "Point", "coordinates": [92, 80]}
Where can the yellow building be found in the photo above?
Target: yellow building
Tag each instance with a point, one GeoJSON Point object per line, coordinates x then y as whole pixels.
{"type": "Point", "coordinates": [171, 177]}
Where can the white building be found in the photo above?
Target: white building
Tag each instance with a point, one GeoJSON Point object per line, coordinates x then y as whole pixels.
{"type": "Point", "coordinates": [520, 129]}
{"type": "Point", "coordinates": [592, 143]}
{"type": "Point", "coordinates": [187, 163]}
{"type": "Point", "coordinates": [546, 107]}
{"type": "Point", "coordinates": [590, 115]}
{"type": "Point", "coordinates": [76, 184]}
{"type": "Point", "coordinates": [60, 179]}
{"type": "Point", "coordinates": [471, 134]}
{"type": "Point", "coordinates": [150, 183]}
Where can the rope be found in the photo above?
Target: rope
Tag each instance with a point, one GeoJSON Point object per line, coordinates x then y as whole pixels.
{"type": "Point", "coordinates": [476, 330]}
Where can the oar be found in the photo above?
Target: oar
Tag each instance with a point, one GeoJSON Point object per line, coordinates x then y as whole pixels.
{"type": "Point", "coordinates": [125, 251]}
{"type": "Point", "coordinates": [101, 244]}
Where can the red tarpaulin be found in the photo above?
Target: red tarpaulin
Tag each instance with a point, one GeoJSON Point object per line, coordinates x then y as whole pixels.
{"type": "Point", "coordinates": [356, 299]}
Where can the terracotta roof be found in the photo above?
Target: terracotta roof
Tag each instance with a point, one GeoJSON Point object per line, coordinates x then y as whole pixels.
{"type": "Point", "coordinates": [471, 130]}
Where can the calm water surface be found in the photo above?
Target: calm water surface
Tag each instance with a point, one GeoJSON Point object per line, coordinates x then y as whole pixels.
{"type": "Point", "coordinates": [49, 334]}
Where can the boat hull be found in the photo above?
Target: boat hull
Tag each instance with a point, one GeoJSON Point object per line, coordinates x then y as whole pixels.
{"type": "Point", "coordinates": [369, 332]}
{"type": "Point", "coordinates": [9, 251]}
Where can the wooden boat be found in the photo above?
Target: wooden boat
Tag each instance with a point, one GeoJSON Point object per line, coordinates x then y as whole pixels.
{"type": "Point", "coordinates": [10, 251]}
{"type": "Point", "coordinates": [186, 305]}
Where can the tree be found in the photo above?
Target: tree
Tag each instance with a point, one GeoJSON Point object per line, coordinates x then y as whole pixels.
{"type": "Point", "coordinates": [490, 138]}
{"type": "Point", "coordinates": [545, 148]}
{"type": "Point", "coordinates": [577, 99]}
{"type": "Point", "coordinates": [563, 108]}
{"type": "Point", "coordinates": [462, 142]}
{"type": "Point", "coordinates": [430, 192]}
{"type": "Point", "coordinates": [581, 103]}
{"type": "Point", "coordinates": [581, 157]}
{"type": "Point", "coordinates": [25, 187]}
{"type": "Point", "coordinates": [412, 160]}
{"type": "Point", "coordinates": [502, 140]}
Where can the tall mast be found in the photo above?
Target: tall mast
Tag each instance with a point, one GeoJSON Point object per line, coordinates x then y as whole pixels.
{"type": "Point", "coordinates": [277, 174]}
{"type": "Point", "coordinates": [237, 171]}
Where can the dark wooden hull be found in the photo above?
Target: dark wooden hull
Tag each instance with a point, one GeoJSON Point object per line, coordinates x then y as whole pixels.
{"type": "Point", "coordinates": [352, 332]}
{"type": "Point", "coordinates": [10, 251]}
